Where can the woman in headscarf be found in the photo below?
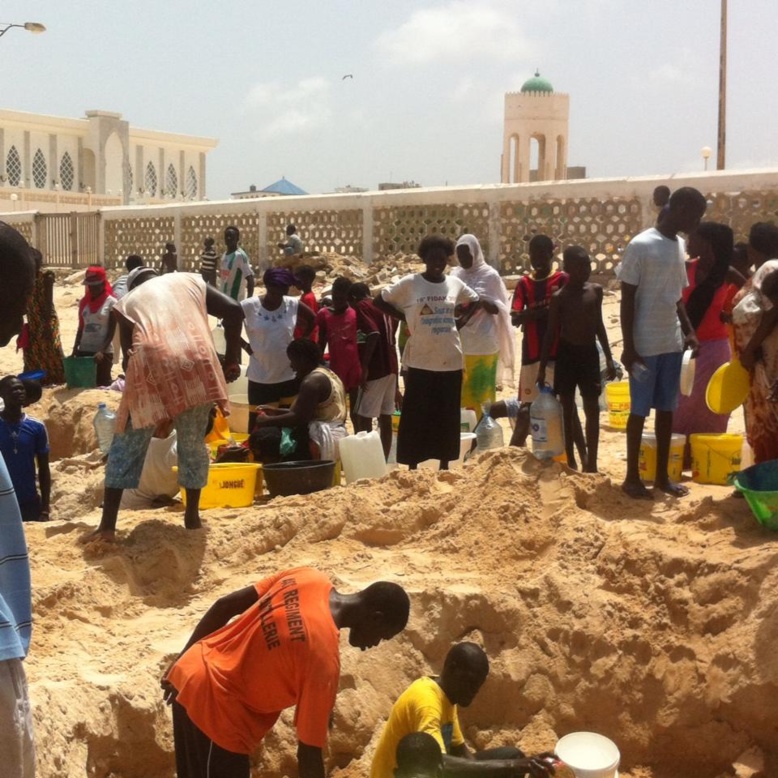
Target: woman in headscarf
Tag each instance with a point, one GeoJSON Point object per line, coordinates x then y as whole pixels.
{"type": "Point", "coordinates": [755, 322]}
{"type": "Point", "coordinates": [270, 323]}
{"type": "Point", "coordinates": [486, 338]}
{"type": "Point", "coordinates": [712, 285]}
{"type": "Point", "coordinates": [42, 346]}
{"type": "Point", "coordinates": [96, 325]}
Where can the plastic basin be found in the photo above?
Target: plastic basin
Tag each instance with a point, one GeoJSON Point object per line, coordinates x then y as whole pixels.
{"type": "Point", "coordinates": [589, 755]}
{"type": "Point", "coordinates": [728, 387]}
{"type": "Point", "coordinates": [759, 485]}
{"type": "Point", "coordinates": [305, 477]}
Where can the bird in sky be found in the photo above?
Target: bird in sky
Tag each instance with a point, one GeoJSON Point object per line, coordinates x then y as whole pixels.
{"type": "Point", "coordinates": [348, 75]}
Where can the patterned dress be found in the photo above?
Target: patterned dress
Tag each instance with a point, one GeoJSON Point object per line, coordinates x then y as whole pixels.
{"type": "Point", "coordinates": [43, 350]}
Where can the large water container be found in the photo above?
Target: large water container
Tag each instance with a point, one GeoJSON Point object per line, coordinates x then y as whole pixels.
{"type": "Point", "coordinates": [488, 434]}
{"type": "Point", "coordinates": [547, 425]}
{"type": "Point", "coordinates": [104, 423]}
{"type": "Point", "coordinates": [362, 456]}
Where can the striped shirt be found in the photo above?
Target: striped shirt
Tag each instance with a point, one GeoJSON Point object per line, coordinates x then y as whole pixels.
{"type": "Point", "coordinates": [15, 596]}
{"type": "Point", "coordinates": [534, 293]}
{"type": "Point", "coordinates": [235, 269]}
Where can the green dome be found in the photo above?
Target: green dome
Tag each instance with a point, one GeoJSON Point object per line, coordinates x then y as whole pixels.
{"type": "Point", "coordinates": [537, 84]}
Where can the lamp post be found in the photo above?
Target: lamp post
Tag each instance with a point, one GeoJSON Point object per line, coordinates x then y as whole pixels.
{"type": "Point", "coordinates": [721, 143]}
{"type": "Point", "coordinates": [33, 27]}
{"type": "Point", "coordinates": [706, 151]}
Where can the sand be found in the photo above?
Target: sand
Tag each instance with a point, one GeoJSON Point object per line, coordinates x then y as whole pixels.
{"type": "Point", "coordinates": [652, 623]}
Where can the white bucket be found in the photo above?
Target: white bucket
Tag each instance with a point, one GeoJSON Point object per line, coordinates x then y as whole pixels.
{"type": "Point", "coordinates": [589, 755]}
{"type": "Point", "coordinates": [239, 414]}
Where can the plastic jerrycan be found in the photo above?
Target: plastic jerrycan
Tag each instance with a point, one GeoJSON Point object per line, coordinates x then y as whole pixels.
{"type": "Point", "coordinates": [104, 423]}
{"type": "Point", "coordinates": [362, 456]}
{"type": "Point", "coordinates": [547, 425]}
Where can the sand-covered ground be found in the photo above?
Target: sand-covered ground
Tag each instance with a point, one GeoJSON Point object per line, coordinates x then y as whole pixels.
{"type": "Point", "coordinates": [652, 623]}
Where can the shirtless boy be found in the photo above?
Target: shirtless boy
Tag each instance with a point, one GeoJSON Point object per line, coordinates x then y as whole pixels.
{"type": "Point", "coordinates": [575, 315]}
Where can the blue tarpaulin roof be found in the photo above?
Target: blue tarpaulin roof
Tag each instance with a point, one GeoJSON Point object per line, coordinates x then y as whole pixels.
{"type": "Point", "coordinates": [284, 187]}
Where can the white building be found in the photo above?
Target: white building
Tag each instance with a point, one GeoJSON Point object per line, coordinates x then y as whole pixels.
{"type": "Point", "coordinates": [98, 160]}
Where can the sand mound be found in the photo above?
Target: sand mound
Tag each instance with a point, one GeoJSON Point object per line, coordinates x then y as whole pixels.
{"type": "Point", "coordinates": [653, 625]}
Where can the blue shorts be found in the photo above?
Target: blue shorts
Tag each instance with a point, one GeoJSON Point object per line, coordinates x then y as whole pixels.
{"type": "Point", "coordinates": [128, 451]}
{"type": "Point", "coordinates": [658, 388]}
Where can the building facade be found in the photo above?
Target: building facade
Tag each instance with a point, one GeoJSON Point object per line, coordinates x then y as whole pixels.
{"type": "Point", "coordinates": [100, 158]}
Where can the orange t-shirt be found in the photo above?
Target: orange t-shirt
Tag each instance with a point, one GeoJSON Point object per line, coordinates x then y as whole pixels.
{"type": "Point", "coordinates": [281, 651]}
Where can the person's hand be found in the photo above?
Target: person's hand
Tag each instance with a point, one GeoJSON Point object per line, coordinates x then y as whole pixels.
{"type": "Point", "coordinates": [231, 372]}
{"type": "Point", "coordinates": [169, 692]}
{"type": "Point", "coordinates": [99, 356]}
{"type": "Point", "coordinates": [610, 370]}
{"type": "Point", "coordinates": [542, 376]}
{"type": "Point", "coordinates": [693, 344]}
{"type": "Point", "coordinates": [725, 318]}
{"type": "Point", "coordinates": [629, 358]}
{"type": "Point", "coordinates": [516, 318]}
{"type": "Point", "coordinates": [537, 766]}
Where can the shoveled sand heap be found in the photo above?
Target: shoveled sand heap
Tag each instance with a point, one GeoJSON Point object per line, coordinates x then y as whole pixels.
{"type": "Point", "coordinates": [654, 624]}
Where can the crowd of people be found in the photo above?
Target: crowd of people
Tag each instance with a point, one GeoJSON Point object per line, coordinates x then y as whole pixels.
{"type": "Point", "coordinates": [703, 293]}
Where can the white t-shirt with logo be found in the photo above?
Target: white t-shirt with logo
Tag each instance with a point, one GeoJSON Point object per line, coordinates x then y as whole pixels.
{"type": "Point", "coordinates": [234, 269]}
{"type": "Point", "coordinates": [434, 343]}
{"type": "Point", "coordinates": [269, 333]}
{"type": "Point", "coordinates": [656, 265]}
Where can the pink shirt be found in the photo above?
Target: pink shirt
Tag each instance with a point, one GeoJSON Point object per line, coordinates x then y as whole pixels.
{"type": "Point", "coordinates": [173, 364]}
{"type": "Point", "coordinates": [340, 332]}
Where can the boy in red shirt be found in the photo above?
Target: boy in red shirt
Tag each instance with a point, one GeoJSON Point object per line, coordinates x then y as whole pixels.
{"type": "Point", "coordinates": [338, 332]}
{"type": "Point", "coordinates": [529, 310]}
{"type": "Point", "coordinates": [305, 275]}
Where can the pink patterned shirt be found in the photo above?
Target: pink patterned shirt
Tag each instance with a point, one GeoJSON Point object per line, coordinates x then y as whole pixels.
{"type": "Point", "coordinates": [173, 365]}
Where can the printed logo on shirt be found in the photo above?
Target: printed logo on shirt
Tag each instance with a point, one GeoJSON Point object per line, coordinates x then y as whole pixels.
{"type": "Point", "coordinates": [426, 310]}
{"type": "Point", "coordinates": [294, 621]}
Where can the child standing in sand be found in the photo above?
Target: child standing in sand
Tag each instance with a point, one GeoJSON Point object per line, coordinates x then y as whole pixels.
{"type": "Point", "coordinates": [529, 310]}
{"type": "Point", "coordinates": [575, 318]}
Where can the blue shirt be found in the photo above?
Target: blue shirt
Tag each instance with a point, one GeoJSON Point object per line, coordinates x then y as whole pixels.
{"type": "Point", "coordinates": [20, 443]}
{"type": "Point", "coordinates": [15, 598]}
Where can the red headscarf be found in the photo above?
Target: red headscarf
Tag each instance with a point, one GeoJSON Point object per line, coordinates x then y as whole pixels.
{"type": "Point", "coordinates": [95, 273]}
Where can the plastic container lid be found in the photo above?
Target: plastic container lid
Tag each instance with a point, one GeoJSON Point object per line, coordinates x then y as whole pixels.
{"type": "Point", "coordinates": [728, 387]}
{"type": "Point", "coordinates": [687, 373]}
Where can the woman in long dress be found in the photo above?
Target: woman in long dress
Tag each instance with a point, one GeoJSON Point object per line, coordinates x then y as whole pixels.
{"type": "Point", "coordinates": [42, 346]}
{"type": "Point", "coordinates": [755, 323]}
{"type": "Point", "coordinates": [486, 339]}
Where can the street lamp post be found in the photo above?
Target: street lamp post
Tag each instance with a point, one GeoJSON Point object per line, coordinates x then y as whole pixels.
{"type": "Point", "coordinates": [721, 144]}
{"type": "Point", "coordinates": [33, 27]}
{"type": "Point", "coordinates": [706, 151]}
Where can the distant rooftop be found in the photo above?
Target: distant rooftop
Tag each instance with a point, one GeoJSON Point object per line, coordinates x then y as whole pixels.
{"type": "Point", "coordinates": [284, 187]}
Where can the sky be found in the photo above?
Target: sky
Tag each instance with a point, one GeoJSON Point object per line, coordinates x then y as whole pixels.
{"type": "Point", "coordinates": [426, 99]}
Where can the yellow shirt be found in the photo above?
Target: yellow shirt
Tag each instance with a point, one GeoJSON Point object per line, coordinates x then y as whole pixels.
{"type": "Point", "coordinates": [422, 707]}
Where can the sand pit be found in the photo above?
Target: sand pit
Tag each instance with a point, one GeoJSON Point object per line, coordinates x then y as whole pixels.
{"type": "Point", "coordinates": [654, 624]}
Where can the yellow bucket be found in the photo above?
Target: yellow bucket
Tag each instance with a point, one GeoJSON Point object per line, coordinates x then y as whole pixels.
{"type": "Point", "coordinates": [230, 485]}
{"type": "Point", "coordinates": [617, 398]}
{"type": "Point", "coordinates": [715, 458]}
{"type": "Point", "coordinates": [647, 460]}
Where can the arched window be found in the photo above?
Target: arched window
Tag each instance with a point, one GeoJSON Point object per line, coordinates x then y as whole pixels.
{"type": "Point", "coordinates": [13, 166]}
{"type": "Point", "coordinates": [171, 181]}
{"type": "Point", "coordinates": [191, 183]}
{"type": "Point", "coordinates": [66, 172]}
{"type": "Point", "coordinates": [151, 180]}
{"type": "Point", "coordinates": [39, 170]}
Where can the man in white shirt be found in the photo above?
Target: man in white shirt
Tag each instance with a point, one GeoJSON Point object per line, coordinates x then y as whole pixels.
{"type": "Point", "coordinates": [235, 268]}
{"type": "Point", "coordinates": [656, 330]}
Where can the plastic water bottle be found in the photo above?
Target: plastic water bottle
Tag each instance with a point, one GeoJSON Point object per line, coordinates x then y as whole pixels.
{"type": "Point", "coordinates": [104, 422]}
{"type": "Point", "coordinates": [488, 432]}
{"type": "Point", "coordinates": [547, 425]}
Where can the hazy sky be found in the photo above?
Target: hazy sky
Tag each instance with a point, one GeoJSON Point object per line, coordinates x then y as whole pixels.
{"type": "Point", "coordinates": [426, 98]}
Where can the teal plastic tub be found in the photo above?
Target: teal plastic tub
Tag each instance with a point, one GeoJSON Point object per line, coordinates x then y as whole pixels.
{"type": "Point", "coordinates": [759, 485]}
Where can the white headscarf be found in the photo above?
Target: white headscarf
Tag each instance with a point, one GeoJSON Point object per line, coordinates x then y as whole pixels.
{"type": "Point", "coordinates": [486, 281]}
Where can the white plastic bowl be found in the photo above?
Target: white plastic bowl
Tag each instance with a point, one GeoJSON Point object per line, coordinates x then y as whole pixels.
{"type": "Point", "coordinates": [687, 373]}
{"type": "Point", "coordinates": [589, 755]}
